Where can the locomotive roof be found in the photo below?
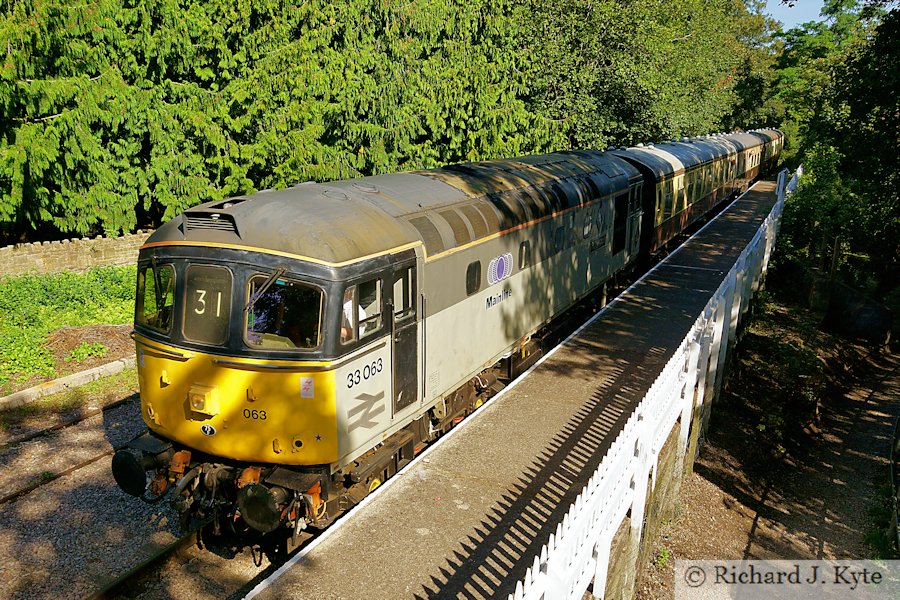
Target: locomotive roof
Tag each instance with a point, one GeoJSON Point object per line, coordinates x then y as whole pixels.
{"type": "Point", "coordinates": [444, 208]}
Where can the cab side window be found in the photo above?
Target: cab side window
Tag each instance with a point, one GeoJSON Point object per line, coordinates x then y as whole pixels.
{"type": "Point", "coordinates": [404, 295]}
{"type": "Point", "coordinates": [155, 297]}
{"type": "Point", "coordinates": [361, 311]}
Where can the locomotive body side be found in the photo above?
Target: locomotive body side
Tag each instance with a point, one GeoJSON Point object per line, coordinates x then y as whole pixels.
{"type": "Point", "coordinates": [484, 299]}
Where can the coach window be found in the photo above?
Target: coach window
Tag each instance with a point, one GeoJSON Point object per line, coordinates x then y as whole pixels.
{"type": "Point", "coordinates": [659, 204]}
{"type": "Point", "coordinates": [620, 222]}
{"type": "Point", "coordinates": [282, 314]}
{"type": "Point", "coordinates": [670, 200]}
{"type": "Point", "coordinates": [155, 297]}
{"type": "Point", "coordinates": [361, 311]}
{"type": "Point", "coordinates": [473, 277]}
{"type": "Point", "coordinates": [404, 295]}
{"type": "Point", "coordinates": [524, 254]}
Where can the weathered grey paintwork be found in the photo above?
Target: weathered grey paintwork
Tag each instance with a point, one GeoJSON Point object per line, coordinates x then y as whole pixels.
{"type": "Point", "coordinates": [447, 208]}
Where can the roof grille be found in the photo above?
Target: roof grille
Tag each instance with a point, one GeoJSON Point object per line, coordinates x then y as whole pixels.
{"type": "Point", "coordinates": [434, 243]}
{"type": "Point", "coordinates": [209, 222]}
{"type": "Point", "coordinates": [476, 220]}
{"type": "Point", "coordinates": [490, 217]}
{"type": "Point", "coordinates": [460, 231]}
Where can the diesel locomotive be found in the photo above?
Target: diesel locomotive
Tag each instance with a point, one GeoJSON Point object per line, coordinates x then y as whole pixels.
{"type": "Point", "coordinates": [295, 347]}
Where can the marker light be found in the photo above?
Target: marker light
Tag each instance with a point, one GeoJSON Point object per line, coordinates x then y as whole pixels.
{"type": "Point", "coordinates": [204, 400]}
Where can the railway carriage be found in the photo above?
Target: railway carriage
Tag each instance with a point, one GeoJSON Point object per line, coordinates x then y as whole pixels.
{"type": "Point", "coordinates": [296, 347]}
{"type": "Point", "coordinates": [773, 143]}
{"type": "Point", "coordinates": [688, 178]}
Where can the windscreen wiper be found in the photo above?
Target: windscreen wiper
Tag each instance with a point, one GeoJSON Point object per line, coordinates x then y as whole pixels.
{"type": "Point", "coordinates": [264, 287]}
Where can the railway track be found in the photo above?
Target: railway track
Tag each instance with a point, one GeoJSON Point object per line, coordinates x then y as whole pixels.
{"type": "Point", "coordinates": [123, 585]}
{"type": "Point", "coordinates": [31, 474]}
{"type": "Point", "coordinates": [48, 477]}
{"type": "Point", "coordinates": [66, 422]}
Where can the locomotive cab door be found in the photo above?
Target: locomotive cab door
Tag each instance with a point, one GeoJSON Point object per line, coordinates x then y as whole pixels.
{"type": "Point", "coordinates": [404, 346]}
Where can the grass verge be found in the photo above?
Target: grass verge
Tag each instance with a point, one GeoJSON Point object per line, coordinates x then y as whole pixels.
{"type": "Point", "coordinates": [34, 305]}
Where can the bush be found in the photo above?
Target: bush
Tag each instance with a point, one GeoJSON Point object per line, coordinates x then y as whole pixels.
{"type": "Point", "coordinates": [35, 305]}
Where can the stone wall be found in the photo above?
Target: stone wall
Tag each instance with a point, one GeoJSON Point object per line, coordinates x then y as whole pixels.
{"type": "Point", "coordinates": [633, 548]}
{"type": "Point", "coordinates": [74, 255]}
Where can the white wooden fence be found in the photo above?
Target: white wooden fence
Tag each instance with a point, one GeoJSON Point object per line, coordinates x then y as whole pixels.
{"type": "Point", "coordinates": [579, 551]}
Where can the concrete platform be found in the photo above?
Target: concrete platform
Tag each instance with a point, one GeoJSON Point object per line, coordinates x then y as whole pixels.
{"type": "Point", "coordinates": [468, 519]}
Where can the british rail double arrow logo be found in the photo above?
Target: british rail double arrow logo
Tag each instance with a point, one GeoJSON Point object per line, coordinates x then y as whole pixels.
{"type": "Point", "coordinates": [370, 406]}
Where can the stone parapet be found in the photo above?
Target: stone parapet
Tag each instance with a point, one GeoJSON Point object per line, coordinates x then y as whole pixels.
{"type": "Point", "coordinates": [75, 255]}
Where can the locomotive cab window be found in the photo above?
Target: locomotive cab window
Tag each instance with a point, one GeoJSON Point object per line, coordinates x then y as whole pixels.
{"type": "Point", "coordinates": [361, 311]}
{"type": "Point", "coordinates": [282, 314]}
{"type": "Point", "coordinates": [404, 295]}
{"type": "Point", "coordinates": [155, 297]}
{"type": "Point", "coordinates": [207, 305]}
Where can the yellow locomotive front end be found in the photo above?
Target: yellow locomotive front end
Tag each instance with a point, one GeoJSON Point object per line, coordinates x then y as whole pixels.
{"type": "Point", "coordinates": [266, 330]}
{"type": "Point", "coordinates": [235, 388]}
{"type": "Point", "coordinates": [252, 399]}
{"type": "Point", "coordinates": [239, 353]}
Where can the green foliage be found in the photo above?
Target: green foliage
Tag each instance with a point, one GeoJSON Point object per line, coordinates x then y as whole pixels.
{"type": "Point", "coordinates": [662, 558]}
{"type": "Point", "coordinates": [87, 350]}
{"type": "Point", "coordinates": [114, 113]}
{"type": "Point", "coordinates": [822, 212]}
{"type": "Point", "coordinates": [880, 536]}
{"type": "Point", "coordinates": [34, 305]}
{"type": "Point", "coordinates": [838, 81]}
{"type": "Point", "coordinates": [652, 70]}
